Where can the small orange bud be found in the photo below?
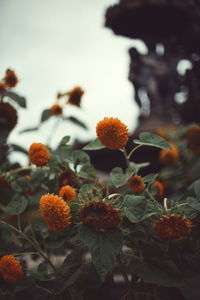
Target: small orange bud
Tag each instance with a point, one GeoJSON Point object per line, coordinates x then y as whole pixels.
{"type": "Point", "coordinates": [39, 154]}
{"type": "Point", "coordinates": [136, 184]}
{"type": "Point", "coordinates": [10, 269]}
{"type": "Point", "coordinates": [68, 193]}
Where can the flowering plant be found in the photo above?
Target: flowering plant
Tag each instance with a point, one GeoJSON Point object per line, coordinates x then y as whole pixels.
{"type": "Point", "coordinates": [64, 231]}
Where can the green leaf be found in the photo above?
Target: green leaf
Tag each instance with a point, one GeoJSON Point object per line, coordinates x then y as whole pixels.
{"type": "Point", "coordinates": [150, 178]}
{"type": "Point", "coordinates": [118, 177]}
{"type": "Point", "coordinates": [45, 115]}
{"type": "Point", "coordinates": [87, 171]}
{"type": "Point", "coordinates": [103, 246]}
{"type": "Point", "coordinates": [156, 267]}
{"type": "Point", "coordinates": [193, 203]}
{"type": "Point", "coordinates": [20, 184]}
{"type": "Point", "coordinates": [134, 208]}
{"type": "Point", "coordinates": [136, 167]}
{"type": "Point", "coordinates": [64, 140]}
{"type": "Point", "coordinates": [29, 129]}
{"type": "Point", "coordinates": [17, 205]}
{"type": "Point", "coordinates": [18, 148]}
{"type": "Point", "coordinates": [151, 139]}
{"type": "Point", "coordinates": [37, 177]}
{"type": "Point", "coordinates": [76, 122]}
{"type": "Point", "coordinates": [18, 99]}
{"type": "Point", "coordinates": [79, 157]}
{"type": "Point", "coordinates": [94, 145]}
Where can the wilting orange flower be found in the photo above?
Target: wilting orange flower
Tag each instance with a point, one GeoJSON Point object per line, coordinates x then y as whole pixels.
{"type": "Point", "coordinates": [2, 87]}
{"type": "Point", "coordinates": [169, 156]}
{"type": "Point", "coordinates": [112, 133]}
{"type": "Point", "coordinates": [10, 78]}
{"type": "Point", "coordinates": [100, 215]}
{"type": "Point", "coordinates": [193, 139]}
{"type": "Point", "coordinates": [39, 154]}
{"type": "Point", "coordinates": [55, 212]}
{"type": "Point", "coordinates": [74, 96]}
{"type": "Point", "coordinates": [10, 269]}
{"type": "Point", "coordinates": [67, 177]}
{"type": "Point", "coordinates": [68, 193]}
{"type": "Point", "coordinates": [172, 227]}
{"type": "Point", "coordinates": [8, 115]}
{"type": "Point", "coordinates": [136, 184]}
{"type": "Point", "coordinates": [159, 187]}
{"type": "Point", "coordinates": [56, 109]}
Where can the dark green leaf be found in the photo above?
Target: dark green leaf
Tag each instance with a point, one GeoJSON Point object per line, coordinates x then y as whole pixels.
{"type": "Point", "coordinates": [76, 122]}
{"type": "Point", "coordinates": [18, 99]}
{"type": "Point", "coordinates": [17, 205]}
{"type": "Point", "coordinates": [45, 115]}
{"type": "Point", "coordinates": [29, 129]}
{"type": "Point", "coordinates": [150, 178]}
{"type": "Point", "coordinates": [20, 184]}
{"type": "Point", "coordinates": [118, 177]}
{"type": "Point", "coordinates": [18, 148]}
{"type": "Point", "coordinates": [37, 177]}
{"type": "Point", "coordinates": [64, 140]}
{"type": "Point", "coordinates": [136, 167]}
{"type": "Point", "coordinates": [134, 208]}
{"type": "Point", "coordinates": [151, 139]}
{"type": "Point", "coordinates": [194, 203]}
{"type": "Point", "coordinates": [79, 157]}
{"type": "Point", "coordinates": [94, 145]}
{"type": "Point", "coordinates": [103, 246]}
{"type": "Point", "coordinates": [156, 267]}
{"type": "Point", "coordinates": [87, 171]}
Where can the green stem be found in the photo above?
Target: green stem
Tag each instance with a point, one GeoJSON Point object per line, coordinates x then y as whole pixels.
{"type": "Point", "coordinates": [133, 150]}
{"type": "Point", "coordinates": [123, 150]}
{"type": "Point", "coordinates": [33, 243]}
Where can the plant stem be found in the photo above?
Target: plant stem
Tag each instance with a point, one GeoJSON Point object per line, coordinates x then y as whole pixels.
{"type": "Point", "coordinates": [33, 243]}
{"type": "Point", "coordinates": [133, 150]}
{"type": "Point", "coordinates": [123, 150]}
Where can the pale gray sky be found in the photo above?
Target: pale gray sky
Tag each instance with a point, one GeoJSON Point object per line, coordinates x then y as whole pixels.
{"type": "Point", "coordinates": [56, 45]}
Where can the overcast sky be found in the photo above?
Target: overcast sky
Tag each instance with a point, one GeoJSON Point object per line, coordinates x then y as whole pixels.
{"type": "Point", "coordinates": [54, 45]}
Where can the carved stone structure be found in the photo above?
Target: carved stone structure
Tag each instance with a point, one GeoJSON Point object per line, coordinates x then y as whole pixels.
{"type": "Point", "coordinates": [175, 25]}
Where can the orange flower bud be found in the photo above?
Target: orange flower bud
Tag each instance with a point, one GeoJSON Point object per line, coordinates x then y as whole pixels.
{"type": "Point", "coordinates": [136, 184]}
{"type": "Point", "coordinates": [39, 154]}
{"type": "Point", "coordinates": [10, 269]}
{"type": "Point", "coordinates": [68, 193]}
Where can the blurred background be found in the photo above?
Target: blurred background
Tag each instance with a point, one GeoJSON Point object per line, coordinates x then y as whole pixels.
{"type": "Point", "coordinates": [56, 45]}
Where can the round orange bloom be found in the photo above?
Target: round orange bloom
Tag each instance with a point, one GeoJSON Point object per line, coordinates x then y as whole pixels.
{"type": "Point", "coordinates": [68, 193]}
{"type": "Point", "coordinates": [193, 139]}
{"type": "Point", "coordinates": [169, 156]}
{"type": "Point", "coordinates": [100, 215]}
{"type": "Point", "coordinates": [10, 269]}
{"type": "Point", "coordinates": [55, 212]}
{"type": "Point", "coordinates": [159, 187]}
{"type": "Point", "coordinates": [10, 78]}
{"type": "Point", "coordinates": [8, 116]}
{"type": "Point", "coordinates": [172, 227]}
{"type": "Point", "coordinates": [67, 177]}
{"type": "Point", "coordinates": [56, 109]}
{"type": "Point", "coordinates": [112, 133]}
{"type": "Point", "coordinates": [75, 96]}
{"type": "Point", "coordinates": [39, 154]}
{"type": "Point", "coordinates": [136, 184]}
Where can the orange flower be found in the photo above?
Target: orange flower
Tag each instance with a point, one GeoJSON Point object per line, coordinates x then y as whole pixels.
{"type": "Point", "coordinates": [193, 139]}
{"type": "Point", "coordinates": [172, 227]}
{"type": "Point", "coordinates": [75, 96]}
{"type": "Point", "coordinates": [39, 154]}
{"type": "Point", "coordinates": [136, 184]}
{"type": "Point", "coordinates": [159, 187]}
{"type": "Point", "coordinates": [169, 156]}
{"type": "Point", "coordinates": [56, 109]}
{"type": "Point", "coordinates": [10, 269]}
{"type": "Point", "coordinates": [100, 215]}
{"type": "Point", "coordinates": [10, 78]}
{"type": "Point", "coordinates": [112, 133]}
{"type": "Point", "coordinates": [55, 212]}
{"type": "Point", "coordinates": [68, 193]}
{"type": "Point", "coordinates": [67, 177]}
{"type": "Point", "coordinates": [8, 116]}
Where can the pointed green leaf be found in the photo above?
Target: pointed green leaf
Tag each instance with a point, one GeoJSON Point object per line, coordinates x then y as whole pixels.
{"type": "Point", "coordinates": [134, 208]}
{"type": "Point", "coordinates": [64, 140]}
{"type": "Point", "coordinates": [17, 205]}
{"type": "Point", "coordinates": [94, 145]}
{"type": "Point", "coordinates": [151, 139]}
{"type": "Point", "coordinates": [76, 122]}
{"type": "Point", "coordinates": [29, 129]}
{"type": "Point", "coordinates": [103, 246]}
{"type": "Point", "coordinates": [18, 99]}
{"type": "Point", "coordinates": [150, 178]}
{"type": "Point", "coordinates": [45, 115]}
{"type": "Point", "coordinates": [194, 203]}
{"type": "Point", "coordinates": [118, 177]}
